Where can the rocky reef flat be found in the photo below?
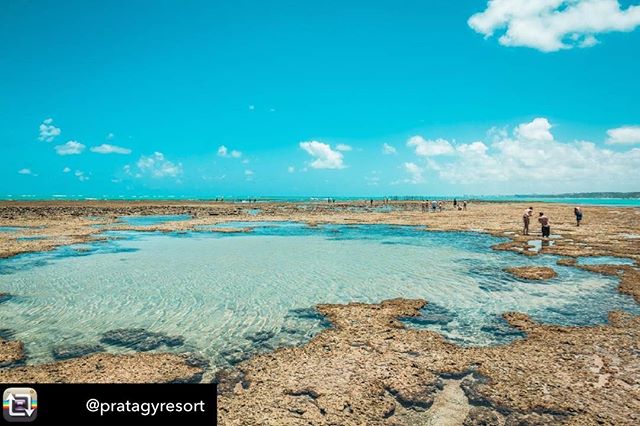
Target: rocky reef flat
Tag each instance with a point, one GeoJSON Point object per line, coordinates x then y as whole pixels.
{"type": "Point", "coordinates": [368, 368]}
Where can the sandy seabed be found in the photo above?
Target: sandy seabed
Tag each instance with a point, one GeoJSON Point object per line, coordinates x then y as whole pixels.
{"type": "Point", "coordinates": [368, 368]}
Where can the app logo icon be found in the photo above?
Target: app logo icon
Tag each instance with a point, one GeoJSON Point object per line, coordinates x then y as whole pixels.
{"type": "Point", "coordinates": [19, 404]}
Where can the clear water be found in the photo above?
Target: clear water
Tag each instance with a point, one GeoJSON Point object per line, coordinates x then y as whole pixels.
{"type": "Point", "coordinates": [153, 219]}
{"type": "Point", "coordinates": [10, 228]}
{"type": "Point", "coordinates": [232, 295]}
{"type": "Point", "coordinates": [252, 212]}
{"type": "Point", "coordinates": [604, 260]}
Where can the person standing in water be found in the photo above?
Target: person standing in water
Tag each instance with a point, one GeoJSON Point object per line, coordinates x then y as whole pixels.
{"type": "Point", "coordinates": [578, 212]}
{"type": "Point", "coordinates": [546, 228]}
{"type": "Point", "coordinates": [526, 219]}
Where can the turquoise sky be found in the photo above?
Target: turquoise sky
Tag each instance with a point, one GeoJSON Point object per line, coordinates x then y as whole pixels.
{"type": "Point", "coordinates": [203, 98]}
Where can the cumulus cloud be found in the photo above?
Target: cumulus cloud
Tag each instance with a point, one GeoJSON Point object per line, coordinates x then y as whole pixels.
{"type": "Point", "coordinates": [291, 169]}
{"type": "Point", "coordinates": [624, 135]}
{"type": "Point", "coordinates": [70, 148]}
{"type": "Point", "coordinates": [25, 171]}
{"type": "Point", "coordinates": [156, 166]}
{"type": "Point", "coordinates": [524, 159]}
{"type": "Point", "coordinates": [415, 173]}
{"type": "Point", "coordinates": [430, 148]}
{"type": "Point", "coordinates": [66, 170]}
{"type": "Point", "coordinates": [110, 136]}
{"type": "Point", "coordinates": [537, 130]}
{"type": "Point", "coordinates": [551, 25]}
{"type": "Point", "coordinates": [48, 131]}
{"type": "Point", "coordinates": [324, 156]}
{"type": "Point", "coordinates": [343, 147]}
{"type": "Point", "coordinates": [224, 152]}
{"type": "Point", "coordinates": [80, 175]}
{"type": "Point", "coordinates": [106, 148]}
{"type": "Point", "coordinates": [388, 149]}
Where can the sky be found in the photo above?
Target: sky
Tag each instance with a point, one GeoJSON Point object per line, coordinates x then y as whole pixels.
{"type": "Point", "coordinates": [331, 98]}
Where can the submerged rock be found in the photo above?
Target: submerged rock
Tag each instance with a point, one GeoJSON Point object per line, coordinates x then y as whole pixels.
{"type": "Point", "coordinates": [75, 351]}
{"type": "Point", "coordinates": [140, 339]}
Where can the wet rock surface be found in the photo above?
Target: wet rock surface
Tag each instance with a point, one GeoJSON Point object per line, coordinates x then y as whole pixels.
{"type": "Point", "coordinates": [532, 272]}
{"type": "Point", "coordinates": [140, 339]}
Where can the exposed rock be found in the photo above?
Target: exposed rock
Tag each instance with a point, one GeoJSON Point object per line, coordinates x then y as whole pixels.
{"type": "Point", "coordinates": [108, 368]}
{"type": "Point", "coordinates": [532, 272]}
{"type": "Point", "coordinates": [483, 416]}
{"type": "Point", "coordinates": [140, 339]}
{"type": "Point", "coordinates": [370, 369]}
{"type": "Point", "coordinates": [11, 353]}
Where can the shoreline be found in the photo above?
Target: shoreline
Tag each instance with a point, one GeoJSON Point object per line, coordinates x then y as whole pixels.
{"type": "Point", "coordinates": [395, 374]}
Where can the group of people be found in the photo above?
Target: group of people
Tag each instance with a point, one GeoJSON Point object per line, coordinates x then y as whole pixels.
{"type": "Point", "coordinates": [438, 206]}
{"type": "Point", "coordinates": [543, 219]}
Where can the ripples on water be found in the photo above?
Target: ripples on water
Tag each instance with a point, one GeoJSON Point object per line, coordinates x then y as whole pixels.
{"type": "Point", "coordinates": [230, 295]}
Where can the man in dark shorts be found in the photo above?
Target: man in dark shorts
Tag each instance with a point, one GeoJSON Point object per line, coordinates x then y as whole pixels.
{"type": "Point", "coordinates": [578, 212]}
{"type": "Point", "coordinates": [546, 228]}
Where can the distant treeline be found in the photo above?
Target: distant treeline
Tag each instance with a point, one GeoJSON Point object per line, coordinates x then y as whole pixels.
{"type": "Point", "coordinates": [586, 195]}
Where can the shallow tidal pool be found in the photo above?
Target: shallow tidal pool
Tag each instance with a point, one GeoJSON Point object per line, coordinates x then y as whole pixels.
{"type": "Point", "coordinates": [230, 295]}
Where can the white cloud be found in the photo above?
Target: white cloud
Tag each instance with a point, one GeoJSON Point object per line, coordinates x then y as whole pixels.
{"type": "Point", "coordinates": [624, 135]}
{"type": "Point", "coordinates": [223, 151]}
{"type": "Point", "coordinates": [551, 25]}
{"type": "Point", "coordinates": [248, 174]}
{"type": "Point", "coordinates": [48, 131]}
{"type": "Point", "coordinates": [80, 175]}
{"type": "Point", "coordinates": [343, 147]}
{"type": "Point", "coordinates": [388, 149]}
{"type": "Point", "coordinates": [430, 148]}
{"type": "Point", "coordinates": [415, 173]}
{"type": "Point", "coordinates": [25, 171]}
{"type": "Point", "coordinates": [66, 170]}
{"type": "Point", "coordinates": [324, 156]}
{"type": "Point", "coordinates": [537, 130]}
{"type": "Point", "coordinates": [291, 169]}
{"type": "Point", "coordinates": [110, 137]}
{"type": "Point", "coordinates": [106, 148]}
{"type": "Point", "coordinates": [539, 164]}
{"type": "Point", "coordinates": [70, 148]}
{"type": "Point", "coordinates": [157, 166]}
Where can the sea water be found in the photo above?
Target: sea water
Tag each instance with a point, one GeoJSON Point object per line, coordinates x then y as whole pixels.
{"type": "Point", "coordinates": [241, 293]}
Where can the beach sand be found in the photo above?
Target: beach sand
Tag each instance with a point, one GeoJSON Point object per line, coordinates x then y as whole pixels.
{"type": "Point", "coordinates": [369, 368]}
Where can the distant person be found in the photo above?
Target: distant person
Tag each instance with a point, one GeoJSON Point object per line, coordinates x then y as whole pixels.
{"type": "Point", "coordinates": [526, 219]}
{"type": "Point", "coordinates": [546, 228]}
{"type": "Point", "coordinates": [578, 212]}
{"type": "Point", "coordinates": [371, 202]}
{"type": "Point", "coordinates": [455, 203]}
{"type": "Point", "coordinates": [464, 205]}
{"type": "Point", "coordinates": [434, 205]}
{"type": "Point", "coordinates": [440, 205]}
